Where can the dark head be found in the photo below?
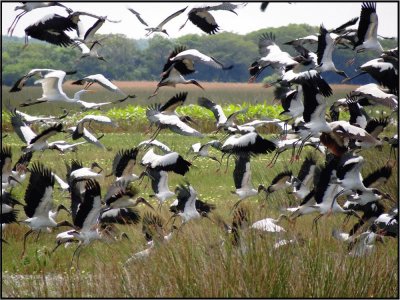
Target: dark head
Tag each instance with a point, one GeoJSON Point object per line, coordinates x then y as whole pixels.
{"type": "Point", "coordinates": [96, 165]}
{"type": "Point", "coordinates": [188, 120]}
{"type": "Point", "coordinates": [144, 201]}
{"type": "Point", "coordinates": [62, 207]}
{"type": "Point", "coordinates": [196, 83]}
{"type": "Point", "coordinates": [342, 73]}
{"type": "Point", "coordinates": [102, 58]}
{"type": "Point", "coordinates": [165, 31]}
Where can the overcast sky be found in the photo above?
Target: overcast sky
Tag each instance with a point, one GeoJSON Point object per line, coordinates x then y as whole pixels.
{"type": "Point", "coordinates": [249, 18]}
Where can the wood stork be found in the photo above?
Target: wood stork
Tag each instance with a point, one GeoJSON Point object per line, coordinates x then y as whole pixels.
{"type": "Point", "coordinates": [29, 6]}
{"type": "Point", "coordinates": [194, 56]}
{"type": "Point", "coordinates": [376, 96]}
{"type": "Point", "coordinates": [173, 72]}
{"type": "Point", "coordinates": [123, 164]}
{"type": "Point", "coordinates": [159, 185]}
{"type": "Point", "coordinates": [121, 194]}
{"type": "Point", "coordinates": [242, 179]}
{"type": "Point", "coordinates": [201, 17]}
{"type": "Point", "coordinates": [291, 101]}
{"type": "Point", "coordinates": [388, 223]}
{"type": "Point", "coordinates": [324, 53]}
{"type": "Point", "coordinates": [52, 29]}
{"type": "Point", "coordinates": [148, 143]}
{"type": "Point", "coordinates": [11, 175]}
{"type": "Point", "coordinates": [29, 119]}
{"type": "Point", "coordinates": [8, 213]}
{"type": "Point", "coordinates": [203, 150]}
{"type": "Point", "coordinates": [79, 130]}
{"type": "Point", "coordinates": [35, 142]}
{"type": "Point", "coordinates": [216, 109]}
{"type": "Point", "coordinates": [79, 173]}
{"type": "Point", "coordinates": [39, 201]}
{"type": "Point", "coordinates": [89, 51]}
{"type": "Point", "coordinates": [20, 83]}
{"type": "Point", "coordinates": [326, 190]}
{"type": "Point", "coordinates": [367, 31]}
{"type": "Point", "coordinates": [203, 208]}
{"type": "Point", "coordinates": [170, 162]}
{"type": "Point", "coordinates": [155, 233]}
{"type": "Point", "coordinates": [270, 224]}
{"type": "Point", "coordinates": [103, 81]}
{"type": "Point", "coordinates": [52, 89]}
{"type": "Point", "coordinates": [271, 55]}
{"type": "Point", "coordinates": [159, 27]}
{"type": "Point", "coordinates": [383, 71]}
{"type": "Point", "coordinates": [251, 143]}
{"type": "Point", "coordinates": [165, 118]}
{"type": "Point", "coordinates": [281, 181]}
{"type": "Point", "coordinates": [186, 207]}
{"type": "Point", "coordinates": [364, 244]}
{"type": "Point", "coordinates": [305, 178]}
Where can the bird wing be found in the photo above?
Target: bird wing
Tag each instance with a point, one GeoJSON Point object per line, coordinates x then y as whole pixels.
{"type": "Point", "coordinates": [242, 172]}
{"type": "Point", "coordinates": [137, 16]}
{"type": "Point", "coordinates": [90, 138]}
{"type": "Point", "coordinates": [24, 132]}
{"type": "Point", "coordinates": [97, 119]}
{"type": "Point", "coordinates": [39, 193]}
{"type": "Point", "coordinates": [368, 19]}
{"type": "Point", "coordinates": [195, 55]}
{"type": "Point", "coordinates": [92, 30]}
{"type": "Point", "coordinates": [156, 143]}
{"type": "Point", "coordinates": [45, 134]}
{"type": "Point", "coordinates": [176, 125]}
{"type": "Point", "coordinates": [89, 209]}
{"type": "Point", "coordinates": [169, 18]}
{"type": "Point", "coordinates": [174, 102]}
{"type": "Point", "coordinates": [215, 108]}
{"type": "Point", "coordinates": [204, 20]}
{"type": "Point", "coordinates": [52, 85]}
{"type": "Point", "coordinates": [376, 178]}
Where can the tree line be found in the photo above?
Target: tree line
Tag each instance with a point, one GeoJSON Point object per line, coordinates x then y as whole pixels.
{"type": "Point", "coordinates": [130, 59]}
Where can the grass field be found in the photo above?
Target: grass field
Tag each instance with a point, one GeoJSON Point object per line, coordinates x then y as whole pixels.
{"type": "Point", "coordinates": [194, 264]}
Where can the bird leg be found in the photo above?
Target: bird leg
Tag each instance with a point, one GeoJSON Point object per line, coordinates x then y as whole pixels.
{"type": "Point", "coordinates": [153, 137]}
{"type": "Point", "coordinates": [37, 236]}
{"type": "Point", "coordinates": [75, 252]}
{"type": "Point", "coordinates": [10, 30]}
{"type": "Point", "coordinates": [184, 24]}
{"type": "Point", "coordinates": [25, 237]}
{"type": "Point", "coordinates": [315, 222]}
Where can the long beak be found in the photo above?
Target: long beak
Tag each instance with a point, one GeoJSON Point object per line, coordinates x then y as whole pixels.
{"type": "Point", "coordinates": [147, 203]}
{"type": "Point", "coordinates": [60, 207]}
{"type": "Point", "coordinates": [172, 217]}
{"type": "Point", "coordinates": [198, 84]}
{"type": "Point", "coordinates": [389, 197]}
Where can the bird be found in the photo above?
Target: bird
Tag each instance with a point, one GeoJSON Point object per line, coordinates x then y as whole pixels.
{"type": "Point", "coordinates": [52, 28]}
{"type": "Point", "coordinates": [376, 96]}
{"type": "Point", "coordinates": [29, 119]}
{"type": "Point", "coordinates": [52, 90]}
{"type": "Point", "coordinates": [221, 120]}
{"type": "Point", "coordinates": [39, 201]}
{"type": "Point", "coordinates": [123, 164]}
{"type": "Point", "coordinates": [269, 224]}
{"type": "Point", "coordinates": [11, 175]}
{"type": "Point", "coordinates": [281, 181]}
{"type": "Point", "coordinates": [35, 142]}
{"type": "Point", "coordinates": [202, 150]}
{"type": "Point", "coordinates": [103, 81]}
{"type": "Point", "coordinates": [250, 143]}
{"type": "Point", "coordinates": [165, 117]}
{"type": "Point", "coordinates": [388, 223]}
{"type": "Point", "coordinates": [121, 194]}
{"type": "Point", "coordinates": [368, 29]}
{"type": "Point", "coordinates": [173, 72]}
{"type": "Point", "coordinates": [186, 206]}
{"type": "Point", "coordinates": [159, 27]}
{"type": "Point", "coordinates": [305, 178]}
{"type": "Point", "coordinates": [364, 244]}
{"type": "Point", "coordinates": [242, 179]}
{"type": "Point", "coordinates": [324, 53]}
{"type": "Point", "coordinates": [138, 16]}
{"type": "Point", "coordinates": [29, 6]}
{"type": "Point", "coordinates": [271, 55]}
{"type": "Point", "coordinates": [159, 185]}
{"type": "Point", "coordinates": [20, 83]}
{"type": "Point", "coordinates": [91, 51]}
{"type": "Point", "coordinates": [79, 130]}
{"type": "Point", "coordinates": [326, 190]}
{"type": "Point", "coordinates": [170, 162]}
{"type": "Point", "coordinates": [201, 17]}
{"type": "Point", "coordinates": [383, 71]}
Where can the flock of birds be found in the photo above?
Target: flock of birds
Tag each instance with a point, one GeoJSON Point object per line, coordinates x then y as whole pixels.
{"type": "Point", "coordinates": [301, 89]}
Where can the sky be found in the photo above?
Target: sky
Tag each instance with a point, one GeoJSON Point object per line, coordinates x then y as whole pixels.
{"type": "Point", "coordinates": [250, 17]}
